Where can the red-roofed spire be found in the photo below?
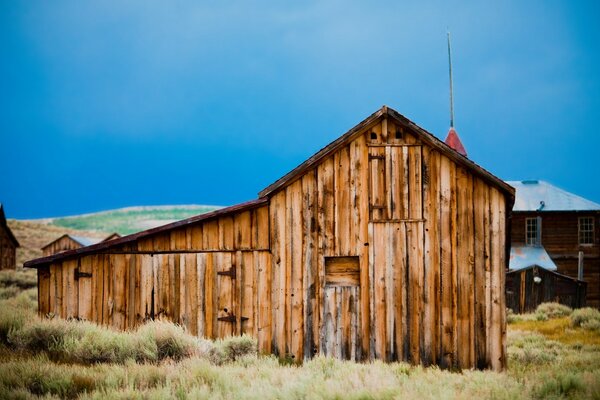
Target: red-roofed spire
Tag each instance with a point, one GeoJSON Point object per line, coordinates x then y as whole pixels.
{"type": "Point", "coordinates": [454, 142]}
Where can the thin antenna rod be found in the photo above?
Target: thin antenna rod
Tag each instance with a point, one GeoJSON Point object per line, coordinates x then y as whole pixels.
{"type": "Point", "coordinates": [451, 92]}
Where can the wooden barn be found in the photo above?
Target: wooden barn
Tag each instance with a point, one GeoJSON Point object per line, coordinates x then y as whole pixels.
{"type": "Point", "coordinates": [386, 244]}
{"type": "Point", "coordinates": [8, 244]}
{"type": "Point", "coordinates": [72, 242]}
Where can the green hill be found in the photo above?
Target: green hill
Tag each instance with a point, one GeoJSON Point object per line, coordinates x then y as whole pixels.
{"type": "Point", "coordinates": [131, 219]}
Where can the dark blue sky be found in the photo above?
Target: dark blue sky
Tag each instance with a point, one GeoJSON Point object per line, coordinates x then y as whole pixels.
{"type": "Point", "coordinates": [110, 104]}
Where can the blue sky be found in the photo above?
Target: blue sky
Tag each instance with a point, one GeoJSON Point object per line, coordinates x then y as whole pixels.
{"type": "Point", "coordinates": [111, 104]}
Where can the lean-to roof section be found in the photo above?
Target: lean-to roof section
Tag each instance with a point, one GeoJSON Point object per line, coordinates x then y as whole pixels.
{"type": "Point", "coordinates": [106, 246]}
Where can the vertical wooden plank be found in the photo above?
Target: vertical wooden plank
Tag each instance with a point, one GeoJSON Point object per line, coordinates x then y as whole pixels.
{"type": "Point", "coordinates": [464, 260]}
{"type": "Point", "coordinates": [108, 290]}
{"type": "Point", "coordinates": [377, 183]}
{"type": "Point", "coordinates": [344, 229]}
{"type": "Point", "coordinates": [390, 266]}
{"type": "Point", "coordinates": [248, 294]}
{"type": "Point", "coordinates": [414, 235]}
{"type": "Point", "coordinates": [196, 236]}
{"type": "Point", "coordinates": [191, 293]}
{"type": "Point", "coordinates": [399, 287]}
{"type": "Point", "coordinates": [70, 289]}
{"type": "Point", "coordinates": [294, 275]}
{"type": "Point", "coordinates": [144, 307]}
{"type": "Point", "coordinates": [237, 285]}
{"type": "Point", "coordinates": [243, 231]}
{"type": "Point", "coordinates": [372, 302]}
{"type": "Point", "coordinates": [279, 250]}
{"type": "Point", "coordinates": [43, 275]}
{"type": "Point", "coordinates": [210, 289]}
{"type": "Point", "coordinates": [329, 327]}
{"type": "Point", "coordinates": [119, 263]}
{"type": "Point", "coordinates": [431, 264]}
{"type": "Point", "coordinates": [309, 264]}
{"type": "Point", "coordinates": [503, 263]}
{"type": "Point", "coordinates": [226, 233]}
{"type": "Point", "coordinates": [479, 209]}
{"type": "Point", "coordinates": [84, 301]}
{"type": "Point", "coordinates": [264, 301]}
{"type": "Point", "coordinates": [446, 212]}
{"type": "Point", "coordinates": [379, 278]}
{"type": "Point", "coordinates": [178, 239]}
{"type": "Point", "coordinates": [360, 171]}
{"type": "Point", "coordinates": [261, 225]}
{"type": "Point", "coordinates": [487, 229]}
{"type": "Point", "coordinates": [131, 290]}
{"type": "Point", "coordinates": [175, 287]}
{"type": "Point", "coordinates": [225, 287]}
{"type": "Point", "coordinates": [210, 235]}
{"type": "Point", "coordinates": [496, 290]}
{"type": "Point", "coordinates": [202, 298]}
{"type": "Point", "coordinates": [325, 233]}
{"type": "Point", "coordinates": [56, 295]}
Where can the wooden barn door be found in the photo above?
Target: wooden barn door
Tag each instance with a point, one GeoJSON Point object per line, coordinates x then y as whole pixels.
{"type": "Point", "coordinates": [339, 336]}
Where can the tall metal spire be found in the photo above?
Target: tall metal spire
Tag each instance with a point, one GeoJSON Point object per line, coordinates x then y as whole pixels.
{"type": "Point", "coordinates": [452, 139]}
{"type": "Point", "coordinates": [450, 74]}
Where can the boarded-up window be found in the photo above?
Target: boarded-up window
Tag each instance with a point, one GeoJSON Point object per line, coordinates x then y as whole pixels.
{"type": "Point", "coordinates": [342, 271]}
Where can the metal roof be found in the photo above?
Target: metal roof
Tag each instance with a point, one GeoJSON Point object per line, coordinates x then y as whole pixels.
{"type": "Point", "coordinates": [522, 257]}
{"type": "Point", "coordinates": [85, 240]}
{"type": "Point", "coordinates": [536, 195]}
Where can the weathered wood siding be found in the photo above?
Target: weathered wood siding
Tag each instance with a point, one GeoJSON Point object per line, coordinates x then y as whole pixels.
{"type": "Point", "coordinates": [386, 249]}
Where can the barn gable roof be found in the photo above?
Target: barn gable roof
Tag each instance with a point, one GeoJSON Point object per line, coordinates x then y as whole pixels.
{"type": "Point", "coordinates": [421, 133]}
{"type": "Point", "coordinates": [4, 224]}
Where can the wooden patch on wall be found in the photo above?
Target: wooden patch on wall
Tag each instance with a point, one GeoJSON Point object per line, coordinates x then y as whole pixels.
{"type": "Point", "coordinates": [342, 271]}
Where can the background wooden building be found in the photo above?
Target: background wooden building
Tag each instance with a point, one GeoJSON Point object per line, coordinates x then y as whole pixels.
{"type": "Point", "coordinates": [8, 244]}
{"type": "Point", "coordinates": [72, 242]}
{"type": "Point", "coordinates": [386, 244]}
{"type": "Point", "coordinates": [562, 223]}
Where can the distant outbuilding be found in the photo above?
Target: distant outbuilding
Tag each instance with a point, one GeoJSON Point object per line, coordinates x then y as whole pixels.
{"type": "Point", "coordinates": [71, 242]}
{"type": "Point", "coordinates": [8, 244]}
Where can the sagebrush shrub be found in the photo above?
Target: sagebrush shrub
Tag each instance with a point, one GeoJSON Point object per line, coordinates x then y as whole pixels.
{"type": "Point", "coordinates": [585, 317]}
{"type": "Point", "coordinates": [554, 310]}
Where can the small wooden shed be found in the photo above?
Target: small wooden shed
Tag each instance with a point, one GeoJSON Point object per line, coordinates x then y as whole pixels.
{"type": "Point", "coordinates": [8, 244]}
{"type": "Point", "coordinates": [529, 287]}
{"type": "Point", "coordinates": [386, 244]}
{"type": "Point", "coordinates": [71, 242]}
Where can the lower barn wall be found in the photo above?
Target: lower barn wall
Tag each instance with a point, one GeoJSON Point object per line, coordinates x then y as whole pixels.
{"type": "Point", "coordinates": [196, 290]}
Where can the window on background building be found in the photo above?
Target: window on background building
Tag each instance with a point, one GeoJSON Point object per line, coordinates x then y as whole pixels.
{"type": "Point", "coordinates": [586, 230]}
{"type": "Point", "coordinates": [533, 231]}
